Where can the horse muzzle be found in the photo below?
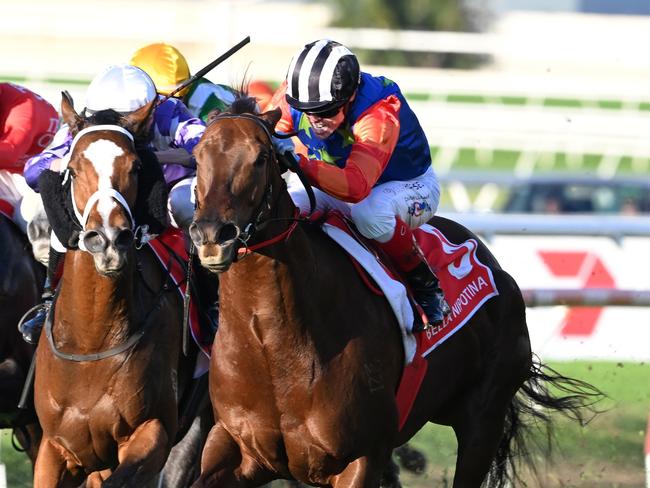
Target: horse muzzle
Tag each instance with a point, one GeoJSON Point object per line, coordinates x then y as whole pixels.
{"type": "Point", "coordinates": [109, 254]}
{"type": "Point", "coordinates": [216, 244]}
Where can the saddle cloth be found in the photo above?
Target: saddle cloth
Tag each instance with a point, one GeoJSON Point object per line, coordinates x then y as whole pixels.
{"type": "Point", "coordinates": [466, 283]}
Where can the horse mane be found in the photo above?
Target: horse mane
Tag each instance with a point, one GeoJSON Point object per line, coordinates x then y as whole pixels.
{"type": "Point", "coordinates": [243, 104]}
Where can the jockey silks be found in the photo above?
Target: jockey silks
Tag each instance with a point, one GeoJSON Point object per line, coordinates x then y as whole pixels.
{"type": "Point", "coordinates": [411, 156]}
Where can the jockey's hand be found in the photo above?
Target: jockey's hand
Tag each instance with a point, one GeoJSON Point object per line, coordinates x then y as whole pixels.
{"type": "Point", "coordinates": [176, 156]}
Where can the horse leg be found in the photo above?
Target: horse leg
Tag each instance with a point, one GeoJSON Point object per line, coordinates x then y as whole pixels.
{"type": "Point", "coordinates": [141, 457]}
{"type": "Point", "coordinates": [51, 469]}
{"type": "Point", "coordinates": [480, 427]}
{"type": "Point", "coordinates": [96, 478]}
{"type": "Point", "coordinates": [364, 472]}
{"type": "Point", "coordinates": [183, 464]}
{"type": "Point", "coordinates": [220, 460]}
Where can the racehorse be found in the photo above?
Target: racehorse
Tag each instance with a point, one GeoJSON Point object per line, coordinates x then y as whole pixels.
{"type": "Point", "coordinates": [109, 372]}
{"type": "Point", "coordinates": [20, 280]}
{"type": "Point", "coordinates": [309, 359]}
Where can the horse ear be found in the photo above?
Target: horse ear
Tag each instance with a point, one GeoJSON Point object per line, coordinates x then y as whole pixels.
{"type": "Point", "coordinates": [69, 114]}
{"type": "Point", "coordinates": [272, 117]}
{"type": "Point", "coordinates": [136, 122]}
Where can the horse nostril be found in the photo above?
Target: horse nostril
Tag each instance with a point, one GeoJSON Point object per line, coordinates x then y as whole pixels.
{"type": "Point", "coordinates": [95, 241]}
{"type": "Point", "coordinates": [195, 234]}
{"type": "Point", "coordinates": [227, 233]}
{"type": "Point", "coordinates": [124, 239]}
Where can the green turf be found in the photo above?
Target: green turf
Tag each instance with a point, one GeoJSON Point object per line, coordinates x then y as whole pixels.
{"type": "Point", "coordinates": [19, 468]}
{"type": "Point", "coordinates": [607, 452]}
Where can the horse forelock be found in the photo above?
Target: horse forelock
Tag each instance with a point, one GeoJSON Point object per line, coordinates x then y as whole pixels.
{"type": "Point", "coordinates": [243, 104]}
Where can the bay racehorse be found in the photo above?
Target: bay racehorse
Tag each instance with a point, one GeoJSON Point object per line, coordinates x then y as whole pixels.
{"type": "Point", "coordinates": [21, 278]}
{"type": "Point", "coordinates": [109, 372]}
{"type": "Point", "coordinates": [309, 359]}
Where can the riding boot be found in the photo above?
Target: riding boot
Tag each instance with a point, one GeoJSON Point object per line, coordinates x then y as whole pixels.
{"type": "Point", "coordinates": [405, 253]}
{"type": "Point", "coordinates": [426, 291]}
{"type": "Point", "coordinates": [31, 329]}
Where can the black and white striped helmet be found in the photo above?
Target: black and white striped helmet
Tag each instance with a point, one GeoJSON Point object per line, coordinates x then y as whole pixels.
{"type": "Point", "coordinates": [322, 76]}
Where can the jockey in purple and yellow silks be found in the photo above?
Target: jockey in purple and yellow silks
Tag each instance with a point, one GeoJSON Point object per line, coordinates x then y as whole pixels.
{"type": "Point", "coordinates": [367, 156]}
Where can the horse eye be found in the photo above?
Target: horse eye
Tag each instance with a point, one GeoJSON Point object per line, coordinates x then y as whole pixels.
{"type": "Point", "coordinates": [137, 165]}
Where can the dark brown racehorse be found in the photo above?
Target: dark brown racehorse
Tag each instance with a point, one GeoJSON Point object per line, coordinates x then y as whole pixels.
{"type": "Point", "coordinates": [107, 364]}
{"type": "Point", "coordinates": [21, 278]}
{"type": "Point", "coordinates": [309, 359]}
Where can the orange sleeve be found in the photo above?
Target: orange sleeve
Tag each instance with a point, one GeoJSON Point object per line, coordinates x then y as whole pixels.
{"type": "Point", "coordinates": [279, 101]}
{"type": "Point", "coordinates": [375, 137]}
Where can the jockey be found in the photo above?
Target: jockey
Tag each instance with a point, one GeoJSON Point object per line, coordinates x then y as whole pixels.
{"type": "Point", "coordinates": [168, 69]}
{"type": "Point", "coordinates": [28, 125]}
{"type": "Point", "coordinates": [367, 157]}
{"type": "Point", "coordinates": [174, 133]}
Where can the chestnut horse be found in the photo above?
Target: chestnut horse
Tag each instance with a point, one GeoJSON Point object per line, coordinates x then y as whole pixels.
{"type": "Point", "coordinates": [108, 362]}
{"type": "Point", "coordinates": [21, 278]}
{"type": "Point", "coordinates": [309, 359]}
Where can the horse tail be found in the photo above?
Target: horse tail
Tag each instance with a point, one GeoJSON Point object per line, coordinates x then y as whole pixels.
{"type": "Point", "coordinates": [545, 392]}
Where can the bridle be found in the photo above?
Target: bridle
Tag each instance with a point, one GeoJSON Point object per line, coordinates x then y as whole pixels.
{"type": "Point", "coordinates": [257, 221]}
{"type": "Point", "coordinates": [140, 233]}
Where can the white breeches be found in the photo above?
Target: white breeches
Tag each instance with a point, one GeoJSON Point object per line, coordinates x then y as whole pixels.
{"type": "Point", "coordinates": [181, 203]}
{"type": "Point", "coordinates": [414, 201]}
{"type": "Point", "coordinates": [26, 202]}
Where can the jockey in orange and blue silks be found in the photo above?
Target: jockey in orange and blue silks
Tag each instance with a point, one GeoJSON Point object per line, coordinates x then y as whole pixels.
{"type": "Point", "coordinates": [367, 156]}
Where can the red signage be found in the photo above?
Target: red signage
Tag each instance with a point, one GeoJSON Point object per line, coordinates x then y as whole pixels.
{"type": "Point", "coordinates": [592, 273]}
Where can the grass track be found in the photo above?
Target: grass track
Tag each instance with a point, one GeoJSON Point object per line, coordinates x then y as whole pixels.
{"type": "Point", "coordinates": [607, 453]}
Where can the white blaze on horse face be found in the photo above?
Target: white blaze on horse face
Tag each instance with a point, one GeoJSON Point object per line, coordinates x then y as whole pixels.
{"type": "Point", "coordinates": [102, 155]}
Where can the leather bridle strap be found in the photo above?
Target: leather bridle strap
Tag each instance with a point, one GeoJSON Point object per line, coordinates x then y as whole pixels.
{"type": "Point", "coordinates": [241, 252]}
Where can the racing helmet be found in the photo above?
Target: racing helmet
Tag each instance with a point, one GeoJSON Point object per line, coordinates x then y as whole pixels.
{"type": "Point", "coordinates": [120, 87]}
{"type": "Point", "coordinates": [164, 63]}
{"type": "Point", "coordinates": [321, 77]}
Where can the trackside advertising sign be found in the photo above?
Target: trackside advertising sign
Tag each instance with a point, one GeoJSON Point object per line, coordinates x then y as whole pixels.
{"type": "Point", "coordinates": [560, 332]}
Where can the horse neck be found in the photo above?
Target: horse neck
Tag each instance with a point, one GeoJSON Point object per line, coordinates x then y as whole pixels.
{"type": "Point", "coordinates": [95, 309]}
{"type": "Point", "coordinates": [272, 284]}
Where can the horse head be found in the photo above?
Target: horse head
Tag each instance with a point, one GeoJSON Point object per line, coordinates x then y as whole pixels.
{"type": "Point", "coordinates": [236, 165]}
{"type": "Point", "coordinates": [104, 167]}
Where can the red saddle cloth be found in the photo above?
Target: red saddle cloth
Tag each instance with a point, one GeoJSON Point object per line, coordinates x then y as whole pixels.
{"type": "Point", "coordinates": [162, 246]}
{"type": "Point", "coordinates": [6, 209]}
{"type": "Point", "coordinates": [466, 283]}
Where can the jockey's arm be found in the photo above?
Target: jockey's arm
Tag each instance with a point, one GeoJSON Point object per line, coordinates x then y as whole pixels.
{"type": "Point", "coordinates": [185, 129]}
{"type": "Point", "coordinates": [50, 158]}
{"type": "Point", "coordinates": [375, 137]}
{"type": "Point", "coordinates": [16, 137]}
